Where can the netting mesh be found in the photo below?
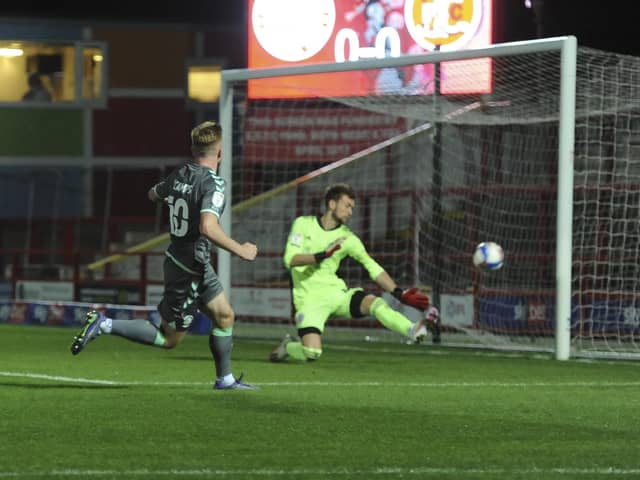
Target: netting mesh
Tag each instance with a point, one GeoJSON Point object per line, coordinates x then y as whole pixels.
{"type": "Point", "coordinates": [435, 175]}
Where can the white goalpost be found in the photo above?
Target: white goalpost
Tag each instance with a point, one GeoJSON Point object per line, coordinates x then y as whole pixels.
{"type": "Point", "coordinates": [529, 144]}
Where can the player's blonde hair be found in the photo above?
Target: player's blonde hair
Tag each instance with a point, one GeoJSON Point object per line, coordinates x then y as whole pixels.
{"type": "Point", "coordinates": [204, 137]}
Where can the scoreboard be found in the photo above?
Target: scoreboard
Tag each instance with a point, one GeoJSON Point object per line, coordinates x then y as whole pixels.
{"type": "Point", "coordinates": [299, 32]}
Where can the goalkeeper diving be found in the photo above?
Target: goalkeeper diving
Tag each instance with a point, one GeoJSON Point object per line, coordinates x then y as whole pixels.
{"type": "Point", "coordinates": [315, 247]}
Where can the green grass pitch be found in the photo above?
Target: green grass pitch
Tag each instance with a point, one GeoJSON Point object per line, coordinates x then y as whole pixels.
{"type": "Point", "coordinates": [363, 411]}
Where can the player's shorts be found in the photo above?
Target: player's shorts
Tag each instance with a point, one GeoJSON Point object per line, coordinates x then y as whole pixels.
{"type": "Point", "coordinates": [184, 292]}
{"type": "Point", "coordinates": [210, 286]}
{"type": "Point", "coordinates": [314, 311]}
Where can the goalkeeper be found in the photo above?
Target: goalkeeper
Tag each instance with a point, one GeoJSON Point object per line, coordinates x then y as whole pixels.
{"type": "Point", "coordinates": [315, 247]}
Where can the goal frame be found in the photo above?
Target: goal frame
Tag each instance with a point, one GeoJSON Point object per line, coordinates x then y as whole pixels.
{"type": "Point", "coordinates": [566, 45]}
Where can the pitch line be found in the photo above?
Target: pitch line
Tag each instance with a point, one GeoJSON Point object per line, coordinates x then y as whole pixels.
{"type": "Point", "coordinates": [41, 376]}
{"type": "Point", "coordinates": [95, 381]}
{"type": "Point", "coordinates": [330, 473]}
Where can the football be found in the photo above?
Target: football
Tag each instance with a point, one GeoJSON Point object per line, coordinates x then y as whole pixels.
{"type": "Point", "coordinates": [488, 256]}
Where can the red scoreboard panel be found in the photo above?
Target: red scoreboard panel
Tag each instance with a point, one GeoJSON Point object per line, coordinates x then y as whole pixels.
{"type": "Point", "coordinates": [300, 32]}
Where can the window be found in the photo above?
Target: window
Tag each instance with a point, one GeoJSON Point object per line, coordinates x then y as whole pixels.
{"type": "Point", "coordinates": [51, 73]}
{"type": "Point", "coordinates": [93, 61]}
{"type": "Point", "coordinates": [203, 80]}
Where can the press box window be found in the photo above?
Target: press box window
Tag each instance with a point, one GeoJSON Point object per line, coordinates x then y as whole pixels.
{"type": "Point", "coordinates": [43, 73]}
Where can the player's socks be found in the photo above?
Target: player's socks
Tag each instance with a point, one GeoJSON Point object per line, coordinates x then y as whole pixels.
{"type": "Point", "coordinates": [221, 344]}
{"type": "Point", "coordinates": [226, 380]}
{"type": "Point", "coordinates": [137, 330]}
{"type": "Point", "coordinates": [390, 318]}
{"type": "Point", "coordinates": [295, 350]}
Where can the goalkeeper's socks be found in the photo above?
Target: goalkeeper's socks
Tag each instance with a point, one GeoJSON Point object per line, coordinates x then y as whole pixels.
{"type": "Point", "coordinates": [137, 330]}
{"type": "Point", "coordinates": [295, 350]}
{"type": "Point", "coordinates": [298, 351]}
{"type": "Point", "coordinates": [390, 318]}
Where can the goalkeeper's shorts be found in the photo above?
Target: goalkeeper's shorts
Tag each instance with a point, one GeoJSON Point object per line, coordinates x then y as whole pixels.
{"type": "Point", "coordinates": [314, 311]}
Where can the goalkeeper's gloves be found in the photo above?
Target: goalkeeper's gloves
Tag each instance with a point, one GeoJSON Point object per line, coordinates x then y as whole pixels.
{"type": "Point", "coordinates": [331, 249]}
{"type": "Point", "coordinates": [412, 298]}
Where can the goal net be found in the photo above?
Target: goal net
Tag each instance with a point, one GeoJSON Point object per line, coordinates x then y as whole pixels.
{"type": "Point", "coordinates": [446, 150]}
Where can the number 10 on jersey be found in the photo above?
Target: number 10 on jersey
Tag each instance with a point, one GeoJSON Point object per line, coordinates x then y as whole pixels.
{"type": "Point", "coordinates": [178, 216]}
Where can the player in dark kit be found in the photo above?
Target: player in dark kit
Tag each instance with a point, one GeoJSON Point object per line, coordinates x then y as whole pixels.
{"type": "Point", "coordinates": [196, 198]}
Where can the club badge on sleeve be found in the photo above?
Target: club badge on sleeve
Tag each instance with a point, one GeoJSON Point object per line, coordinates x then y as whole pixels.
{"type": "Point", "coordinates": [218, 199]}
{"type": "Point", "coordinates": [296, 239]}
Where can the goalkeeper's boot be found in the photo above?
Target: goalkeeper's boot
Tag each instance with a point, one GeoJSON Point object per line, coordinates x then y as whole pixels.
{"type": "Point", "coordinates": [236, 385]}
{"type": "Point", "coordinates": [418, 331]}
{"type": "Point", "coordinates": [89, 332]}
{"type": "Point", "coordinates": [432, 317]}
{"type": "Point", "coordinates": [279, 354]}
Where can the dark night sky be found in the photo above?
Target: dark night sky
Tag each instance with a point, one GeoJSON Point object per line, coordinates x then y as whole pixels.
{"type": "Point", "coordinates": [596, 23]}
{"type": "Point", "coordinates": [209, 12]}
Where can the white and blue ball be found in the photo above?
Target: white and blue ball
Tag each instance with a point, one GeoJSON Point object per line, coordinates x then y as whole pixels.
{"type": "Point", "coordinates": [488, 256]}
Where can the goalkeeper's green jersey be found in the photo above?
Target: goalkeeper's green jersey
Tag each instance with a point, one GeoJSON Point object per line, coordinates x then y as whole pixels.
{"type": "Point", "coordinates": [308, 236]}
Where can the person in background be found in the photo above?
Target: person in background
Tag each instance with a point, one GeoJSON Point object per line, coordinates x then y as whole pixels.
{"type": "Point", "coordinates": [37, 91]}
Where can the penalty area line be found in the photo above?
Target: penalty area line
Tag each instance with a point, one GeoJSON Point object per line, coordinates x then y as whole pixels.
{"type": "Point", "coordinates": [96, 381]}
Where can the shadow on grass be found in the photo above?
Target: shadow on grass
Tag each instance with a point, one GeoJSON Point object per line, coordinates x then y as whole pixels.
{"type": "Point", "coordinates": [190, 358]}
{"type": "Point", "coordinates": [207, 358]}
{"type": "Point", "coordinates": [45, 386]}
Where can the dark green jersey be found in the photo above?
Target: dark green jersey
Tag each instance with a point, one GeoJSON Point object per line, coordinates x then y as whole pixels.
{"type": "Point", "coordinates": [189, 191]}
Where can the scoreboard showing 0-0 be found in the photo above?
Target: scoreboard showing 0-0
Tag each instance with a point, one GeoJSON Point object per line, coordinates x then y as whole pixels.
{"type": "Point", "coordinates": [299, 32]}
